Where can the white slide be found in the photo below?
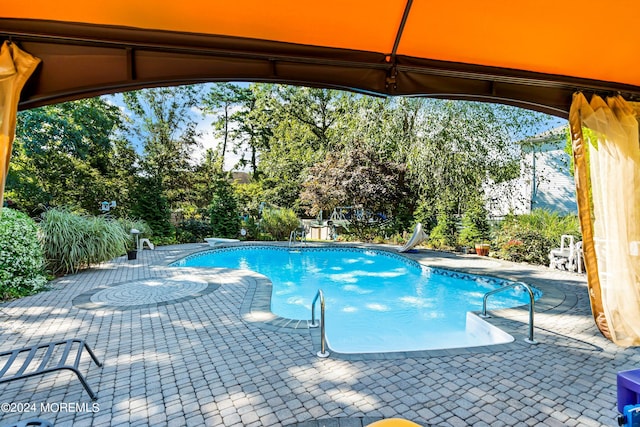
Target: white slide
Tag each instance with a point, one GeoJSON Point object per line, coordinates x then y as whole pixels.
{"type": "Point", "coordinates": [418, 237]}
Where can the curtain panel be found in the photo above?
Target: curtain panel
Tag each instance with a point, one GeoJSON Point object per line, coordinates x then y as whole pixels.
{"type": "Point", "coordinates": [16, 66]}
{"type": "Point", "coordinates": [607, 171]}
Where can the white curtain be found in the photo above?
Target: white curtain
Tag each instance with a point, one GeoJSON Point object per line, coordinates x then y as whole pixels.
{"type": "Point", "coordinates": [608, 186]}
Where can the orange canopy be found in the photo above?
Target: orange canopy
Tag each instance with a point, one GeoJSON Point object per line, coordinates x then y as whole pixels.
{"type": "Point", "coordinates": [532, 53]}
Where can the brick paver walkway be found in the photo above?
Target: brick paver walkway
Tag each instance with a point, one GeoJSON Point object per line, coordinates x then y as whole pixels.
{"type": "Point", "coordinates": [200, 357]}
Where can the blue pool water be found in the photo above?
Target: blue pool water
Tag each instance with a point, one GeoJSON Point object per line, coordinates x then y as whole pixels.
{"type": "Point", "coordinates": [376, 301]}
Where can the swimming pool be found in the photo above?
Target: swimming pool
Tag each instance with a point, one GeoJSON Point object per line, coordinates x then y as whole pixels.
{"type": "Point", "coordinates": [376, 301]}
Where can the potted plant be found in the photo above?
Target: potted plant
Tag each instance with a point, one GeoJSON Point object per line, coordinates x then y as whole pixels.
{"type": "Point", "coordinates": [132, 244]}
{"type": "Point", "coordinates": [132, 253]}
{"type": "Point", "coordinates": [482, 249]}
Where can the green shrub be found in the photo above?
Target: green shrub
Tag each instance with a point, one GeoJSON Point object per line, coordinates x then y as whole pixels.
{"type": "Point", "coordinates": [526, 246]}
{"type": "Point", "coordinates": [266, 237]}
{"type": "Point", "coordinates": [398, 239]}
{"type": "Point", "coordinates": [128, 223]}
{"type": "Point", "coordinates": [551, 224]}
{"type": "Point", "coordinates": [21, 257]}
{"type": "Point", "coordinates": [279, 222]}
{"type": "Point", "coordinates": [251, 227]}
{"type": "Point", "coordinates": [224, 211]}
{"type": "Point", "coordinates": [74, 241]}
{"type": "Point", "coordinates": [152, 206]}
{"type": "Point", "coordinates": [426, 214]}
{"type": "Point", "coordinates": [193, 231]}
{"type": "Point", "coordinates": [530, 238]}
{"type": "Point", "coordinates": [475, 225]}
{"type": "Point", "coordinates": [363, 230]}
{"type": "Point", "coordinates": [445, 233]}
{"type": "Point", "coordinates": [164, 240]}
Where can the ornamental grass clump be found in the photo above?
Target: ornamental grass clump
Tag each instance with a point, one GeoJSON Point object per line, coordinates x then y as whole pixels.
{"type": "Point", "coordinates": [73, 241]}
{"type": "Point", "coordinates": [21, 258]}
{"type": "Point", "coordinates": [279, 222]}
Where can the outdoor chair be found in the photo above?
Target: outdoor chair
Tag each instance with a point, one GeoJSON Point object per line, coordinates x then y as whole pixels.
{"type": "Point", "coordinates": [568, 256]}
{"type": "Point", "coordinates": [142, 242]}
{"type": "Point", "coordinates": [44, 358]}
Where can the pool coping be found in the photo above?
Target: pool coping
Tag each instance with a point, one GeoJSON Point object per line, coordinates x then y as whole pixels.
{"type": "Point", "coordinates": [256, 307]}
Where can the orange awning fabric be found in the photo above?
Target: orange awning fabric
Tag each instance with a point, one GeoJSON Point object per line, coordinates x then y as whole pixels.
{"type": "Point", "coordinates": [520, 53]}
{"type": "Point", "coordinates": [15, 68]}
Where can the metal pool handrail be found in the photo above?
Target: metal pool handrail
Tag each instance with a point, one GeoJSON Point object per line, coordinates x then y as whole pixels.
{"type": "Point", "coordinates": [323, 345]}
{"type": "Point", "coordinates": [484, 314]}
{"type": "Point", "coordinates": [298, 232]}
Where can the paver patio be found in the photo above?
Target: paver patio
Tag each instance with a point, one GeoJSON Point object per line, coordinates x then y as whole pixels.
{"type": "Point", "coordinates": [203, 358]}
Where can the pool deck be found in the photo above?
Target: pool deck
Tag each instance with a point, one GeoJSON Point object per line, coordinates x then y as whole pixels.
{"type": "Point", "coordinates": [200, 352]}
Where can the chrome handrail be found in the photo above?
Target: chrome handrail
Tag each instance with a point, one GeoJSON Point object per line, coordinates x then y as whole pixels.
{"type": "Point", "coordinates": [484, 314]}
{"type": "Point", "coordinates": [323, 345]}
{"type": "Point", "coordinates": [298, 232]}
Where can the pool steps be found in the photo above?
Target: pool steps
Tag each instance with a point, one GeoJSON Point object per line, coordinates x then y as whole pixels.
{"type": "Point", "coordinates": [484, 314]}
{"type": "Point", "coordinates": [323, 338]}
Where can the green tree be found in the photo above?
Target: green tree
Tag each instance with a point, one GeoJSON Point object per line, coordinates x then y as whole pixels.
{"type": "Point", "coordinates": [125, 172]}
{"type": "Point", "coordinates": [255, 125]}
{"type": "Point", "coordinates": [306, 127]}
{"type": "Point", "coordinates": [317, 111]}
{"type": "Point", "coordinates": [475, 223]}
{"type": "Point", "coordinates": [388, 126]}
{"type": "Point", "coordinates": [163, 121]}
{"type": "Point", "coordinates": [459, 146]}
{"type": "Point", "coordinates": [67, 154]}
{"type": "Point", "coordinates": [223, 211]}
{"type": "Point", "coordinates": [445, 233]}
{"type": "Point", "coordinates": [249, 197]}
{"type": "Point", "coordinates": [151, 206]}
{"type": "Point", "coordinates": [82, 129]}
{"type": "Point", "coordinates": [228, 102]}
{"type": "Point", "coordinates": [27, 186]}
{"type": "Point", "coordinates": [358, 178]}
{"type": "Point", "coordinates": [205, 177]}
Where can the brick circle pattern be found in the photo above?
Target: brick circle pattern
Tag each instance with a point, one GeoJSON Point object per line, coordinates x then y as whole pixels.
{"type": "Point", "coordinates": [149, 291]}
{"type": "Point", "coordinates": [146, 293]}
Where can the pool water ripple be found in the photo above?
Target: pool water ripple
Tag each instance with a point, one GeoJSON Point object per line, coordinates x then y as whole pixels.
{"type": "Point", "coordinates": [376, 301]}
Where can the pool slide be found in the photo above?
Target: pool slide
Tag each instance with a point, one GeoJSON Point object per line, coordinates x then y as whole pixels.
{"type": "Point", "coordinates": [418, 237]}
